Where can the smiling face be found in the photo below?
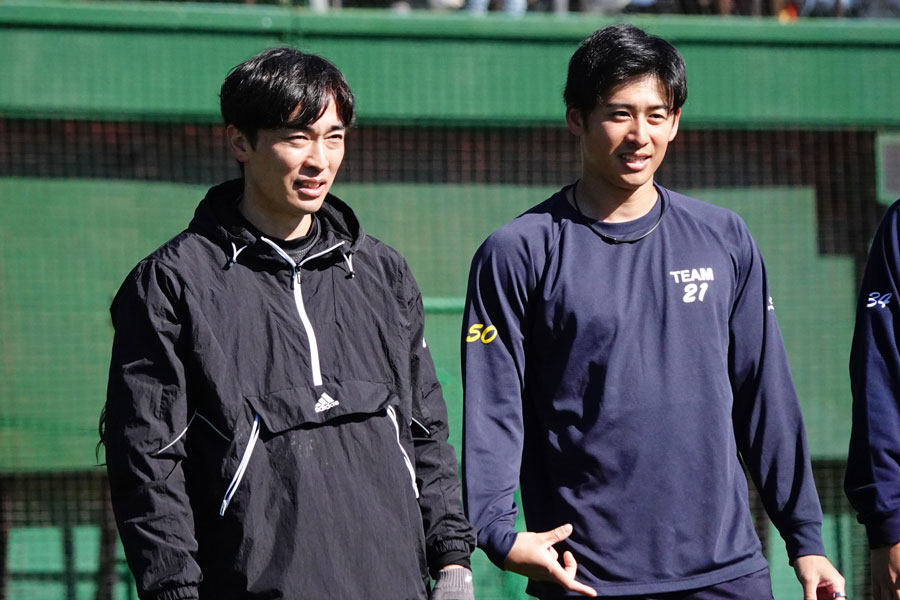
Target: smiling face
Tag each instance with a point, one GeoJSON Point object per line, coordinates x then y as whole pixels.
{"type": "Point", "coordinates": [288, 172]}
{"type": "Point", "coordinates": [624, 140]}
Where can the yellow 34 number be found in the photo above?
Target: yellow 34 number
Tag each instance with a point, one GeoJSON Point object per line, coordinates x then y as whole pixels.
{"type": "Point", "coordinates": [479, 332]}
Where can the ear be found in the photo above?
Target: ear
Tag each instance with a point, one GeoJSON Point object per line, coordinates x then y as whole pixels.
{"type": "Point", "coordinates": [239, 144]}
{"type": "Point", "coordinates": [675, 125]}
{"type": "Point", "coordinates": [575, 121]}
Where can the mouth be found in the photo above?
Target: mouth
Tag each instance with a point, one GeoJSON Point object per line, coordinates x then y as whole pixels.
{"type": "Point", "coordinates": [635, 161]}
{"type": "Point", "coordinates": [310, 187]}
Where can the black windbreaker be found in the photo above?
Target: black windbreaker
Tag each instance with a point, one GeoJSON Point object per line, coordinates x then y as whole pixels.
{"type": "Point", "coordinates": [278, 431]}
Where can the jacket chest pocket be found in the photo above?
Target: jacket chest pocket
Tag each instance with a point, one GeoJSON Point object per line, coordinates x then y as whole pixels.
{"type": "Point", "coordinates": [351, 420]}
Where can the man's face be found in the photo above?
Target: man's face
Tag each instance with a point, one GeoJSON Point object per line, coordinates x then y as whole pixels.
{"type": "Point", "coordinates": [288, 172]}
{"type": "Point", "coordinates": [624, 138]}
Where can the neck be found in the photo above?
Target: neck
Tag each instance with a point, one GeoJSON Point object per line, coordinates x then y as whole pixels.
{"type": "Point", "coordinates": [281, 226]}
{"type": "Point", "coordinates": [614, 205]}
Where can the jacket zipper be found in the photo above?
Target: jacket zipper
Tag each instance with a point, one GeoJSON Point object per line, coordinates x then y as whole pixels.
{"type": "Point", "coordinates": [301, 309]}
{"type": "Point", "coordinates": [392, 413]}
{"type": "Point", "coordinates": [313, 359]}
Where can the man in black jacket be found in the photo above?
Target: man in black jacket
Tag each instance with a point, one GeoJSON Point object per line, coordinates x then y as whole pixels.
{"type": "Point", "coordinates": [274, 427]}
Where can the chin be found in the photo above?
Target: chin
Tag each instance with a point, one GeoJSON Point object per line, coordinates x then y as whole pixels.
{"type": "Point", "coordinates": [636, 183]}
{"type": "Point", "coordinates": [310, 206]}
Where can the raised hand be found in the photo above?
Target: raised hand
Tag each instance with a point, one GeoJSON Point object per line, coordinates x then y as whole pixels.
{"type": "Point", "coordinates": [534, 556]}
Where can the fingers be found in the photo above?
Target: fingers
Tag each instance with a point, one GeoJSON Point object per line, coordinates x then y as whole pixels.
{"type": "Point", "coordinates": [823, 588]}
{"type": "Point", "coordinates": [557, 535]}
{"type": "Point", "coordinates": [569, 564]}
{"type": "Point", "coordinates": [827, 592]}
{"type": "Point", "coordinates": [831, 583]}
{"type": "Point", "coordinates": [809, 590]}
{"type": "Point", "coordinates": [580, 588]}
{"type": "Point", "coordinates": [571, 567]}
{"type": "Point", "coordinates": [819, 578]}
{"type": "Point", "coordinates": [566, 576]}
{"type": "Point", "coordinates": [534, 556]}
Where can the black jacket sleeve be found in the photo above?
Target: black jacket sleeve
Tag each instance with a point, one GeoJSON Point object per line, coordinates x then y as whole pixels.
{"type": "Point", "coordinates": [449, 539]}
{"type": "Point", "coordinates": [872, 481]}
{"type": "Point", "coordinates": [146, 417]}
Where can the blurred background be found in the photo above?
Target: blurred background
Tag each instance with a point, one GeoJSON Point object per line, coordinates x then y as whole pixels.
{"type": "Point", "coordinates": [110, 135]}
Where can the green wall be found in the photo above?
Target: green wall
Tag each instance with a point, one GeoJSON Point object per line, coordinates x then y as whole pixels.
{"type": "Point", "coordinates": [166, 61]}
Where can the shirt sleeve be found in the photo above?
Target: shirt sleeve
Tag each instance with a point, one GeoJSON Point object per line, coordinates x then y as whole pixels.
{"type": "Point", "coordinates": [146, 417]}
{"type": "Point", "coordinates": [449, 538]}
{"type": "Point", "coordinates": [872, 480]}
{"type": "Point", "coordinates": [493, 364]}
{"type": "Point", "coordinates": [768, 424]}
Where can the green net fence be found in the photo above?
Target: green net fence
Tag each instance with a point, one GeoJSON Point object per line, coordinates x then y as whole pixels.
{"type": "Point", "coordinates": [84, 197]}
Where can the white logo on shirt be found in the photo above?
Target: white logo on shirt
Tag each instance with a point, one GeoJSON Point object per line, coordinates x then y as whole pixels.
{"type": "Point", "coordinates": [878, 300]}
{"type": "Point", "coordinates": [692, 291]}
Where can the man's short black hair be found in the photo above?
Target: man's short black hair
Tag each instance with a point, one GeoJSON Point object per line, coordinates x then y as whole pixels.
{"type": "Point", "coordinates": [618, 54]}
{"type": "Point", "coordinates": [266, 91]}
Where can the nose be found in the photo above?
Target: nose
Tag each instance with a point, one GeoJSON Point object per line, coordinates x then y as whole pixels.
{"type": "Point", "coordinates": [316, 157]}
{"type": "Point", "coordinates": [639, 134]}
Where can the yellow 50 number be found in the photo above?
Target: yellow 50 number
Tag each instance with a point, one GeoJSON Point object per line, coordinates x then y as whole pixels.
{"type": "Point", "coordinates": [479, 332]}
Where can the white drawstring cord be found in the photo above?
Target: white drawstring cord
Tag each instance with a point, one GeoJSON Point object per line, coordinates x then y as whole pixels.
{"type": "Point", "coordinates": [184, 431]}
{"type": "Point", "coordinates": [178, 437]}
{"type": "Point", "coordinates": [409, 467]}
{"type": "Point", "coordinates": [242, 467]}
{"type": "Point", "coordinates": [235, 252]}
{"type": "Point", "coordinates": [348, 258]}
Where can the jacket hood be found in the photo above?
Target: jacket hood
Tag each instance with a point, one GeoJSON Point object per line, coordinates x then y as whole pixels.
{"type": "Point", "coordinates": [218, 218]}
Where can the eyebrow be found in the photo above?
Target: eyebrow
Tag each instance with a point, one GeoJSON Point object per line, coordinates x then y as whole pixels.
{"type": "Point", "coordinates": [623, 105]}
{"type": "Point", "coordinates": [333, 128]}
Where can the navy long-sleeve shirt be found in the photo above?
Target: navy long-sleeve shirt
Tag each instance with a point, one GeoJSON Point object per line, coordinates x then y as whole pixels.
{"type": "Point", "coordinates": [621, 385]}
{"type": "Point", "coordinates": [872, 480]}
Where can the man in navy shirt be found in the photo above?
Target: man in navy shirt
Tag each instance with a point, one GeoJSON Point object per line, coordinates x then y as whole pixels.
{"type": "Point", "coordinates": [872, 481]}
{"type": "Point", "coordinates": [622, 359]}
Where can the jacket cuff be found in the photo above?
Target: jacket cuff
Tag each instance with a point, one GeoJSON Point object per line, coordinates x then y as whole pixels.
{"type": "Point", "coordinates": [804, 539]}
{"type": "Point", "coordinates": [449, 552]}
{"type": "Point", "coordinates": [179, 593]}
{"type": "Point", "coordinates": [497, 543]}
{"type": "Point", "coordinates": [456, 557]}
{"type": "Point", "coordinates": [884, 531]}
